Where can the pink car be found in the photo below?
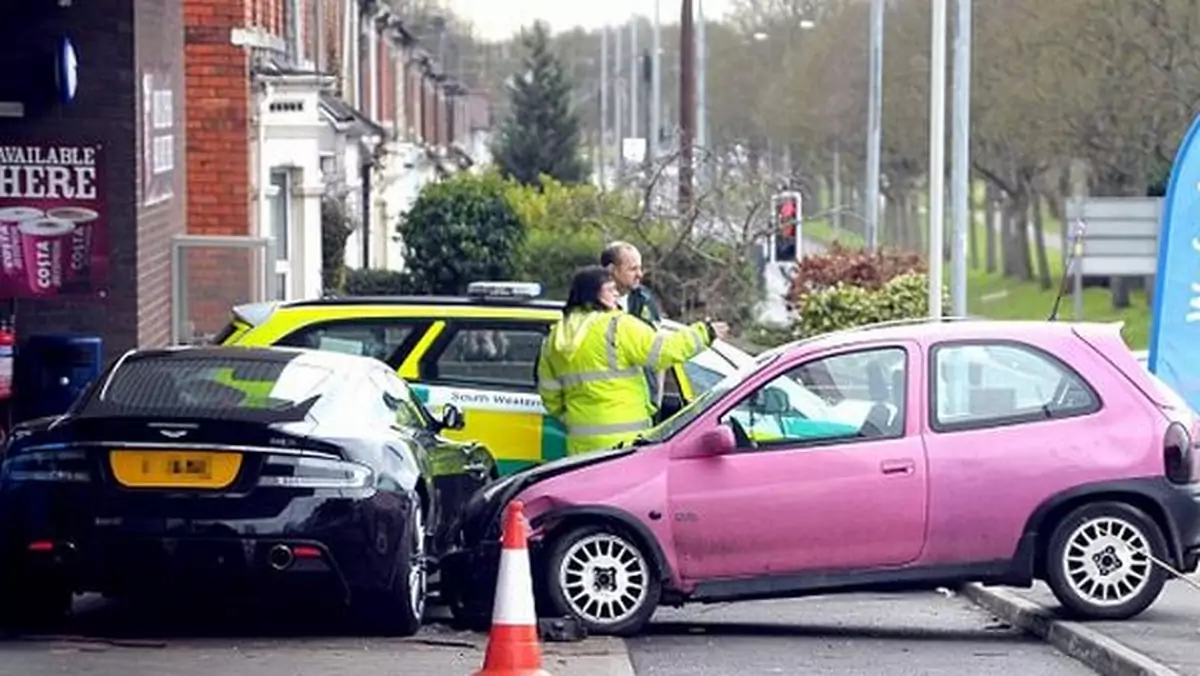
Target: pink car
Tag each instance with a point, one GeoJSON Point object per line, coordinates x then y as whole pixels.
{"type": "Point", "coordinates": [900, 456]}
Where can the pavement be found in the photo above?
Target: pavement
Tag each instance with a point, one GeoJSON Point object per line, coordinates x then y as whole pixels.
{"type": "Point", "coordinates": [1162, 641]}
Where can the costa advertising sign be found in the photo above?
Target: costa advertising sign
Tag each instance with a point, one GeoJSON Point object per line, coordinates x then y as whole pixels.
{"type": "Point", "coordinates": [53, 221]}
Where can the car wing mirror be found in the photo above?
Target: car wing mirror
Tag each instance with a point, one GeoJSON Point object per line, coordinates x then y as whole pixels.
{"type": "Point", "coordinates": [452, 418]}
{"type": "Point", "coordinates": [713, 442]}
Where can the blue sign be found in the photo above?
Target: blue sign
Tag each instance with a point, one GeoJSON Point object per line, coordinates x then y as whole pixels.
{"type": "Point", "coordinates": [1175, 318]}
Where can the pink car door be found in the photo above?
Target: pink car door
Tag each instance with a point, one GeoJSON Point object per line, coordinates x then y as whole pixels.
{"type": "Point", "coordinates": [830, 472]}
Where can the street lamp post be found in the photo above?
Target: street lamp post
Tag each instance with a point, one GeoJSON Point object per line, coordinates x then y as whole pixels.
{"type": "Point", "coordinates": [960, 186]}
{"type": "Point", "coordinates": [937, 157]}
{"type": "Point", "coordinates": [874, 125]}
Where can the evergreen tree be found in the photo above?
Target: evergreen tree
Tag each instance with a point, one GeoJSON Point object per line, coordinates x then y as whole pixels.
{"type": "Point", "coordinates": [541, 134]}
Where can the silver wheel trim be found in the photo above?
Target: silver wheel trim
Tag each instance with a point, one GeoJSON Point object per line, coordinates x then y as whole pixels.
{"type": "Point", "coordinates": [604, 579]}
{"type": "Point", "coordinates": [416, 566]}
{"type": "Point", "coordinates": [1106, 561]}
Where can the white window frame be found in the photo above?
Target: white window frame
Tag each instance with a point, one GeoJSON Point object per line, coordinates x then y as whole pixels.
{"type": "Point", "coordinates": [285, 250]}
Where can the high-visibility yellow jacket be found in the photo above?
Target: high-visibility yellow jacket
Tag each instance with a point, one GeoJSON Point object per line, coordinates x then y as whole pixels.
{"type": "Point", "coordinates": [590, 374]}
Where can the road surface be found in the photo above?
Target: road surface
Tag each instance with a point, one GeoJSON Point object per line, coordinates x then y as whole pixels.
{"type": "Point", "coordinates": [929, 634]}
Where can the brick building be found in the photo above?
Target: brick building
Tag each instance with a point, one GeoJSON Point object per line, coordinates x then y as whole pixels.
{"type": "Point", "coordinates": [296, 104]}
{"type": "Point", "coordinates": [126, 116]}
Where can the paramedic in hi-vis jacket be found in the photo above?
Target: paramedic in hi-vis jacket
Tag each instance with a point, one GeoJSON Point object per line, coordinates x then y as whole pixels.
{"type": "Point", "coordinates": [590, 370]}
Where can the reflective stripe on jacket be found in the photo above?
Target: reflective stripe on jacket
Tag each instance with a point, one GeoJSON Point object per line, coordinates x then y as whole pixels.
{"type": "Point", "coordinates": [591, 378]}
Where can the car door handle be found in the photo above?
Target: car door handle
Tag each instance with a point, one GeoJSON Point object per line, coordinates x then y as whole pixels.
{"type": "Point", "coordinates": [897, 466]}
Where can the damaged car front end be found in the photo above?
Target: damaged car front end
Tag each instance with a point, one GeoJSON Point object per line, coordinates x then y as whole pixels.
{"type": "Point", "coordinates": [468, 571]}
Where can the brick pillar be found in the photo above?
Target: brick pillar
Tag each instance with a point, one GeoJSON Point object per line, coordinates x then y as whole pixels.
{"type": "Point", "coordinates": [220, 184]}
{"type": "Point", "coordinates": [123, 44]}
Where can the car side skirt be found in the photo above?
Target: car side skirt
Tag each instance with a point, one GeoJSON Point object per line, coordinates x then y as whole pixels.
{"type": "Point", "coordinates": [817, 582]}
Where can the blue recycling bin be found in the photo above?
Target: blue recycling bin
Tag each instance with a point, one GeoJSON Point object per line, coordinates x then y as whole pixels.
{"type": "Point", "coordinates": [50, 371]}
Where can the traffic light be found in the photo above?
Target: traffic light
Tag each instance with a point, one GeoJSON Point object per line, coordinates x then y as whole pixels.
{"type": "Point", "coordinates": [787, 227]}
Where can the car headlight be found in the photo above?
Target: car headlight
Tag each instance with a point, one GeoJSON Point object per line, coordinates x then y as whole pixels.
{"type": "Point", "coordinates": [50, 466]}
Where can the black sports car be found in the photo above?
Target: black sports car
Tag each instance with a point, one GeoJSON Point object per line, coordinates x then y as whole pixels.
{"type": "Point", "coordinates": [234, 470]}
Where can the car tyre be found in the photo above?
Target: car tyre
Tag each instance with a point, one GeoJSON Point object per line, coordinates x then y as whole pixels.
{"type": "Point", "coordinates": [1099, 564]}
{"type": "Point", "coordinates": [604, 578]}
{"type": "Point", "coordinates": [400, 609]}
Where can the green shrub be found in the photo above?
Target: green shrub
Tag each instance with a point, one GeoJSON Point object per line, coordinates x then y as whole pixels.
{"type": "Point", "coordinates": [372, 282]}
{"type": "Point", "coordinates": [459, 231]}
{"type": "Point", "coordinates": [336, 226]}
{"type": "Point", "coordinates": [845, 306]}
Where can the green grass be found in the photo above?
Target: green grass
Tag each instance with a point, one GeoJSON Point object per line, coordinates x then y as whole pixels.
{"type": "Point", "coordinates": [998, 297]}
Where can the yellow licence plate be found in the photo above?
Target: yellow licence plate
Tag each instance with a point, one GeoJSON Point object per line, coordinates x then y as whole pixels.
{"type": "Point", "coordinates": [175, 469]}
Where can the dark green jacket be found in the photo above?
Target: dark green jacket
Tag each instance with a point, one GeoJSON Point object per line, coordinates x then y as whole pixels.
{"type": "Point", "coordinates": [642, 304]}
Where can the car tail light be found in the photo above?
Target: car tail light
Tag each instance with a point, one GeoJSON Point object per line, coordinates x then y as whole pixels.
{"type": "Point", "coordinates": [1179, 454]}
{"type": "Point", "coordinates": [307, 472]}
{"type": "Point", "coordinates": [64, 466]}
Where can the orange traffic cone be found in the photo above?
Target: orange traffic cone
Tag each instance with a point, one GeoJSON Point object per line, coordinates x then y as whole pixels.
{"type": "Point", "coordinates": [513, 648]}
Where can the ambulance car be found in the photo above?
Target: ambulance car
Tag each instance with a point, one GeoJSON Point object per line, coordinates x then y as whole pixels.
{"type": "Point", "coordinates": [477, 351]}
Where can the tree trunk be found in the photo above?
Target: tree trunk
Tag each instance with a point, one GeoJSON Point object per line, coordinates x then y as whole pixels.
{"type": "Point", "coordinates": [990, 223]}
{"type": "Point", "coordinates": [1022, 258]}
{"type": "Point", "coordinates": [914, 222]}
{"type": "Point", "coordinates": [1039, 243]}
{"type": "Point", "coordinates": [1008, 248]}
{"type": "Point", "coordinates": [891, 235]}
{"type": "Point", "coordinates": [1119, 287]}
{"type": "Point", "coordinates": [1015, 236]}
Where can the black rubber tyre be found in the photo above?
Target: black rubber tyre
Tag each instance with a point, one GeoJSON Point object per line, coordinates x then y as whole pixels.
{"type": "Point", "coordinates": [603, 562]}
{"type": "Point", "coordinates": [1097, 561]}
{"type": "Point", "coordinates": [400, 610]}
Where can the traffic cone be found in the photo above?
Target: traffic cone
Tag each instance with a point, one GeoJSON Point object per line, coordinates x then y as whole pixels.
{"type": "Point", "coordinates": [512, 648]}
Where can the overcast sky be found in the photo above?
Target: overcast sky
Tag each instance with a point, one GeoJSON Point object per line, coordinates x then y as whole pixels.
{"type": "Point", "coordinates": [495, 19]}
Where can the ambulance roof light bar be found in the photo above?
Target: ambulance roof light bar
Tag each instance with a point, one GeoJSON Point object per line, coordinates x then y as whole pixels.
{"type": "Point", "coordinates": [517, 290]}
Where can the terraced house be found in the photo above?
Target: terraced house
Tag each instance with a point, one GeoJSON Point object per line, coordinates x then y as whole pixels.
{"type": "Point", "coordinates": [295, 109]}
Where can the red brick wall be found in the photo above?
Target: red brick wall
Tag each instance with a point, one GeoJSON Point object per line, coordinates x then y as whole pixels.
{"type": "Point", "coordinates": [443, 119]}
{"type": "Point", "coordinates": [402, 73]}
{"type": "Point", "coordinates": [332, 42]}
{"type": "Point", "coordinates": [430, 103]}
{"type": "Point", "coordinates": [387, 83]}
{"type": "Point", "coordinates": [218, 119]}
{"type": "Point", "coordinates": [219, 134]}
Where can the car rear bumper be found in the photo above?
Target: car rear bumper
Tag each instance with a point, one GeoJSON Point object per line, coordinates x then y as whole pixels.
{"type": "Point", "coordinates": [1185, 512]}
{"type": "Point", "coordinates": [182, 565]}
{"type": "Point", "coordinates": [322, 544]}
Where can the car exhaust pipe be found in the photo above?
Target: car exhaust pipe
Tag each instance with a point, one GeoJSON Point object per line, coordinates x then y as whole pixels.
{"type": "Point", "coordinates": [281, 557]}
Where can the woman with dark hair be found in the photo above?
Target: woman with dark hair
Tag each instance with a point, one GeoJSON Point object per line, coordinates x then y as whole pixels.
{"type": "Point", "coordinates": [590, 371]}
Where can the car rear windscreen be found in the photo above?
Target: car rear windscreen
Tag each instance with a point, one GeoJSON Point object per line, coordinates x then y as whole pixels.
{"type": "Point", "coordinates": [211, 387]}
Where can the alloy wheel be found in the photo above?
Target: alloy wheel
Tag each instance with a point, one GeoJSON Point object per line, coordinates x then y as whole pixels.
{"type": "Point", "coordinates": [604, 578]}
{"type": "Point", "coordinates": [1107, 561]}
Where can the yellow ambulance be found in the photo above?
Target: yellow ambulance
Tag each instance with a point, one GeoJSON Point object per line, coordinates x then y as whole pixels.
{"type": "Point", "coordinates": [478, 351]}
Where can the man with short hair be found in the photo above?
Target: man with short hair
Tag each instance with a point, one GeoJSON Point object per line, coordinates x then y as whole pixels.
{"type": "Point", "coordinates": [624, 263]}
